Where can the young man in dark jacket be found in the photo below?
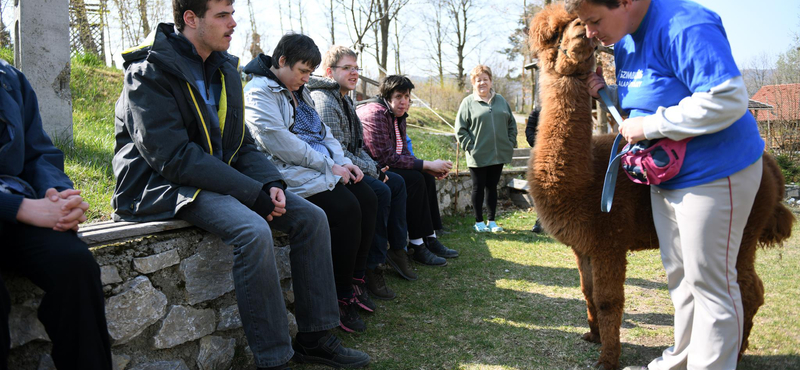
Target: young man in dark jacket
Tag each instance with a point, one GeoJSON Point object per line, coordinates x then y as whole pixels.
{"type": "Point", "coordinates": [39, 214]}
{"type": "Point", "coordinates": [182, 151]}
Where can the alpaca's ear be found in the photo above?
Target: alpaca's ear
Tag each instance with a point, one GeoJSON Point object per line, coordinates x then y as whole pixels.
{"type": "Point", "coordinates": [546, 26]}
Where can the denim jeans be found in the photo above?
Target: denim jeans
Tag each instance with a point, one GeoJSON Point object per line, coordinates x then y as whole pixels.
{"type": "Point", "coordinates": [391, 226]}
{"type": "Point", "coordinates": [255, 275]}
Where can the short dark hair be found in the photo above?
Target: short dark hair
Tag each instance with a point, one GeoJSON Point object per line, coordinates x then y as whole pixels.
{"type": "Point", "coordinates": [572, 6]}
{"type": "Point", "coordinates": [198, 7]}
{"type": "Point", "coordinates": [394, 83]}
{"type": "Point", "coordinates": [296, 47]}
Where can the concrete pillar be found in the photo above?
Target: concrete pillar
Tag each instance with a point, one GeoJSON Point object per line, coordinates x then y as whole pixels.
{"type": "Point", "coordinates": [41, 51]}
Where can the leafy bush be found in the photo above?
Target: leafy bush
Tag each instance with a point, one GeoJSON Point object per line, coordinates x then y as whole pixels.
{"type": "Point", "coordinates": [88, 60]}
{"type": "Point", "coordinates": [7, 54]}
{"type": "Point", "coordinates": [789, 167]}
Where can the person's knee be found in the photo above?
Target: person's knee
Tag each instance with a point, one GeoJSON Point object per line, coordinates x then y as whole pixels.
{"type": "Point", "coordinates": [257, 230]}
{"type": "Point", "coordinates": [382, 194]}
{"type": "Point", "coordinates": [76, 262]}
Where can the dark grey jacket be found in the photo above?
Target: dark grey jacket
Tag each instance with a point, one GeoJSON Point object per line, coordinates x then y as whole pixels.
{"type": "Point", "coordinates": [163, 150]}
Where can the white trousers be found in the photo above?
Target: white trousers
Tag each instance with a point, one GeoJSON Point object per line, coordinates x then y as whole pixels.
{"type": "Point", "coordinates": [699, 230]}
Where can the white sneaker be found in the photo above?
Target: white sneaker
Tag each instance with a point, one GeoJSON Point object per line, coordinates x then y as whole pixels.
{"type": "Point", "coordinates": [480, 227]}
{"type": "Point", "coordinates": [493, 227]}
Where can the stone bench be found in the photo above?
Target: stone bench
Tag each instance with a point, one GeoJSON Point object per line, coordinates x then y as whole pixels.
{"type": "Point", "coordinates": [170, 302]}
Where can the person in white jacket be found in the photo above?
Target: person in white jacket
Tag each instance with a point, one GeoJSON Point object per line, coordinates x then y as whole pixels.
{"type": "Point", "coordinates": [280, 115]}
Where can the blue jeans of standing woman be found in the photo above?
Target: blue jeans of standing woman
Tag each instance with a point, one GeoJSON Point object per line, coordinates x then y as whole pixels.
{"type": "Point", "coordinates": [391, 227]}
{"type": "Point", "coordinates": [255, 275]}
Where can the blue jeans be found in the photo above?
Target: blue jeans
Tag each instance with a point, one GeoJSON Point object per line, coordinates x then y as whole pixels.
{"type": "Point", "coordinates": [391, 226]}
{"type": "Point", "coordinates": [255, 275]}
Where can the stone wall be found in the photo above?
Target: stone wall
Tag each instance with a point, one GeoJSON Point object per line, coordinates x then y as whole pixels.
{"type": "Point", "coordinates": [455, 191]}
{"type": "Point", "coordinates": [170, 304]}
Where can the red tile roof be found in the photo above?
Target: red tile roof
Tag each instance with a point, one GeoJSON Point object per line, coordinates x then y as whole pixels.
{"type": "Point", "coordinates": [784, 98]}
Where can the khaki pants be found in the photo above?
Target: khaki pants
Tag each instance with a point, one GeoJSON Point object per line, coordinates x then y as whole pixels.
{"type": "Point", "coordinates": [699, 230]}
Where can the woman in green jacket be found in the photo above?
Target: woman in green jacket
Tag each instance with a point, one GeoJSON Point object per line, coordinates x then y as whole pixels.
{"type": "Point", "coordinates": [487, 132]}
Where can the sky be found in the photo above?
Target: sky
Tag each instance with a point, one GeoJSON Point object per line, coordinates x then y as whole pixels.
{"type": "Point", "coordinates": [755, 29]}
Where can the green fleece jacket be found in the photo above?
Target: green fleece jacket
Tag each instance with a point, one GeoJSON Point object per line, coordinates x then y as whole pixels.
{"type": "Point", "coordinates": [487, 132]}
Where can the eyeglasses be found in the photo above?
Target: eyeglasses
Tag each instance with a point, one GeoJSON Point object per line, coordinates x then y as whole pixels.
{"type": "Point", "coordinates": [350, 69]}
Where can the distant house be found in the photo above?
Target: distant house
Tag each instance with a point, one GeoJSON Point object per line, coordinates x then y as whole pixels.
{"type": "Point", "coordinates": [777, 110]}
{"type": "Point", "coordinates": [783, 102]}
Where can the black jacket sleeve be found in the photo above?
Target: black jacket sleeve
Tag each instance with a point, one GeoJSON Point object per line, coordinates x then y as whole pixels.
{"type": "Point", "coordinates": [530, 127]}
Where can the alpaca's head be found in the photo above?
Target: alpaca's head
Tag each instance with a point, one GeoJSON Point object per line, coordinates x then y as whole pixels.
{"type": "Point", "coordinates": [559, 39]}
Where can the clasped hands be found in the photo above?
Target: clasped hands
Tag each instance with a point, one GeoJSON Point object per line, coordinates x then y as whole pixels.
{"type": "Point", "coordinates": [60, 211]}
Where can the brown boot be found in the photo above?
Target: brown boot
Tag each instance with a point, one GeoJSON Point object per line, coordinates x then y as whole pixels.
{"type": "Point", "coordinates": [376, 284]}
{"type": "Point", "coordinates": [399, 259]}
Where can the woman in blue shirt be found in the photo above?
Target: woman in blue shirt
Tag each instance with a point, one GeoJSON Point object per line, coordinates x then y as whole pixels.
{"type": "Point", "coordinates": [676, 79]}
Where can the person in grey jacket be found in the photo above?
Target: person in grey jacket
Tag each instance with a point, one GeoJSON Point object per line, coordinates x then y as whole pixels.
{"type": "Point", "coordinates": [338, 112]}
{"type": "Point", "coordinates": [182, 151]}
{"type": "Point", "coordinates": [39, 214]}
{"type": "Point", "coordinates": [281, 117]}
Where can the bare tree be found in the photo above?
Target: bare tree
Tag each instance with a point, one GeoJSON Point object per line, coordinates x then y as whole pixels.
{"type": "Point", "coordinates": [255, 37]}
{"type": "Point", "coordinates": [300, 14]}
{"type": "Point", "coordinates": [397, 69]}
{"type": "Point", "coordinates": [81, 21]}
{"type": "Point", "coordinates": [461, 12]}
{"type": "Point", "coordinates": [291, 23]}
{"type": "Point", "coordinates": [143, 17]}
{"type": "Point", "coordinates": [5, 35]}
{"type": "Point", "coordinates": [280, 15]}
{"type": "Point", "coordinates": [757, 72]}
{"type": "Point", "coordinates": [362, 16]}
{"type": "Point", "coordinates": [436, 28]}
{"type": "Point", "coordinates": [387, 11]}
{"type": "Point", "coordinates": [331, 11]}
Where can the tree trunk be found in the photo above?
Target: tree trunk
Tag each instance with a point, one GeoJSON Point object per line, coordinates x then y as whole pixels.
{"type": "Point", "coordinates": [84, 28]}
{"type": "Point", "coordinates": [333, 35]}
{"type": "Point", "coordinates": [143, 15]}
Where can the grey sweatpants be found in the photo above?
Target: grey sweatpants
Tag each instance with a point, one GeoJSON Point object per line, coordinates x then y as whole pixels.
{"type": "Point", "coordinates": [699, 230]}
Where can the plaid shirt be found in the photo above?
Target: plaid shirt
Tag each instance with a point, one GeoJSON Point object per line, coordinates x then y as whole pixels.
{"type": "Point", "coordinates": [380, 138]}
{"type": "Point", "coordinates": [339, 114]}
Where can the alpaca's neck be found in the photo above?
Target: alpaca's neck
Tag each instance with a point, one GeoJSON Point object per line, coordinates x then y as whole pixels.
{"type": "Point", "coordinates": [563, 154]}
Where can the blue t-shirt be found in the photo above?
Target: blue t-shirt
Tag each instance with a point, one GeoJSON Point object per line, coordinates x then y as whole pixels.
{"type": "Point", "coordinates": [681, 48]}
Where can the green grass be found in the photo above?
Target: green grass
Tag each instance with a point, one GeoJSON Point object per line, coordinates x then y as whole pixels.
{"type": "Point", "coordinates": [513, 301]}
{"type": "Point", "coordinates": [95, 90]}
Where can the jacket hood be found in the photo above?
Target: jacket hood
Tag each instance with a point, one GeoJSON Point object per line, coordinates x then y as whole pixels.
{"type": "Point", "coordinates": [320, 83]}
{"type": "Point", "coordinates": [168, 48]}
{"type": "Point", "coordinates": [260, 66]}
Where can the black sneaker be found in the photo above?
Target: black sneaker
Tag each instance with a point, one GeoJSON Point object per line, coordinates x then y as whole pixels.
{"type": "Point", "coordinates": [361, 297]}
{"type": "Point", "coordinates": [330, 351]}
{"type": "Point", "coordinates": [376, 284]}
{"type": "Point", "coordinates": [537, 227]}
{"type": "Point", "coordinates": [401, 261]}
{"type": "Point", "coordinates": [349, 320]}
{"type": "Point", "coordinates": [425, 257]}
{"type": "Point", "coordinates": [435, 246]}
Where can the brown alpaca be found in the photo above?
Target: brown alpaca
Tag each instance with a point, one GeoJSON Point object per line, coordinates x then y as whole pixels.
{"type": "Point", "coordinates": [566, 173]}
